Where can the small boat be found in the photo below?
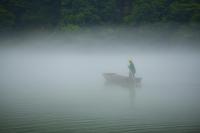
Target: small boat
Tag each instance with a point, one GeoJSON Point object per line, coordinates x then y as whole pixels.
{"type": "Point", "coordinates": [125, 81]}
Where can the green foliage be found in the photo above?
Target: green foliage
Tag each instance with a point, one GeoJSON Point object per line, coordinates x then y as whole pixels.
{"type": "Point", "coordinates": [70, 27]}
{"type": "Point", "coordinates": [73, 14]}
{"type": "Point", "coordinates": [79, 12]}
{"type": "Point", "coordinates": [145, 11]}
{"type": "Point", "coordinates": [184, 11]}
{"type": "Point", "coordinates": [6, 19]}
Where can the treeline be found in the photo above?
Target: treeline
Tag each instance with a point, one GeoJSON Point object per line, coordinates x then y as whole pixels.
{"type": "Point", "coordinates": [73, 14]}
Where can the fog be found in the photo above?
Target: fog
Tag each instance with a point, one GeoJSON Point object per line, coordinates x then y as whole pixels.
{"type": "Point", "coordinates": [45, 79]}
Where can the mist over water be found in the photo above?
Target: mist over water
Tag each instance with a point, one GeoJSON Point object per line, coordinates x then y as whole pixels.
{"type": "Point", "coordinates": [60, 88]}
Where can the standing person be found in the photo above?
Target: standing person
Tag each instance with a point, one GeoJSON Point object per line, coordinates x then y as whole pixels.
{"type": "Point", "coordinates": [132, 70]}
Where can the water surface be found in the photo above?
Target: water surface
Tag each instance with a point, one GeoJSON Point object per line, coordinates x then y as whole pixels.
{"type": "Point", "coordinates": [63, 92]}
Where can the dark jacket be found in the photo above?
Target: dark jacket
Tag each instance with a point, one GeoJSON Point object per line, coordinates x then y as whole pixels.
{"type": "Point", "coordinates": [132, 67]}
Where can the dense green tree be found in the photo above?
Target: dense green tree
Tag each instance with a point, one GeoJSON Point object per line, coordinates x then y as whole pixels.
{"type": "Point", "coordinates": [145, 11]}
{"type": "Point", "coordinates": [7, 19]}
{"type": "Point", "coordinates": [184, 11]}
{"type": "Point", "coordinates": [73, 14]}
{"type": "Point", "coordinates": [79, 12]}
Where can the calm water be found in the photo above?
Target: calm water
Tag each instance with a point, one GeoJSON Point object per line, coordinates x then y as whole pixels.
{"type": "Point", "coordinates": [59, 92]}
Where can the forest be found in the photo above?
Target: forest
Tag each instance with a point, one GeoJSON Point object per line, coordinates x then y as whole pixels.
{"type": "Point", "coordinates": [20, 15]}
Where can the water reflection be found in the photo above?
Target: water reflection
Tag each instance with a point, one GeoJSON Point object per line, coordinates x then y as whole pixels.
{"type": "Point", "coordinates": [132, 96]}
{"type": "Point", "coordinates": [126, 84]}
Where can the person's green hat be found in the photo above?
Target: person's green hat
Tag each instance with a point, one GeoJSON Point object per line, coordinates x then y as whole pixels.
{"type": "Point", "coordinates": [130, 59]}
